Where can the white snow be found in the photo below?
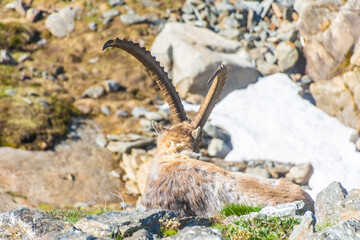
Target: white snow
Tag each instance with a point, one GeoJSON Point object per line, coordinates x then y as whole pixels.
{"type": "Point", "coordinates": [270, 121]}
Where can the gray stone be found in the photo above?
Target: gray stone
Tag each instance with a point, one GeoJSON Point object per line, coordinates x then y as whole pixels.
{"type": "Point", "coordinates": [267, 68]}
{"type": "Point", "coordinates": [287, 56]}
{"type": "Point", "coordinates": [347, 230]}
{"type": "Point", "coordinates": [93, 60]}
{"type": "Point", "coordinates": [10, 92]}
{"type": "Point", "coordinates": [114, 3]}
{"type": "Point", "coordinates": [138, 112]}
{"type": "Point", "coordinates": [305, 228]}
{"type": "Point", "coordinates": [197, 233]}
{"type": "Point", "coordinates": [29, 224]}
{"type": "Point", "coordinates": [105, 110]}
{"type": "Point", "coordinates": [191, 55]}
{"type": "Point", "coordinates": [154, 116]}
{"type": "Point", "coordinates": [132, 18]}
{"type": "Point", "coordinates": [24, 57]}
{"type": "Point", "coordinates": [300, 173]}
{"type": "Point", "coordinates": [258, 171]}
{"type": "Point", "coordinates": [121, 113]}
{"type": "Point", "coordinates": [112, 86]}
{"type": "Point", "coordinates": [218, 148]}
{"type": "Point", "coordinates": [142, 234]}
{"type": "Point", "coordinates": [351, 205]}
{"type": "Point", "coordinates": [146, 124]}
{"type": "Point", "coordinates": [93, 26]}
{"type": "Point", "coordinates": [125, 147]}
{"type": "Point", "coordinates": [6, 59]}
{"type": "Point", "coordinates": [62, 23]}
{"type": "Point", "coordinates": [101, 140]}
{"type": "Point", "coordinates": [124, 223]}
{"type": "Point", "coordinates": [111, 13]}
{"type": "Point", "coordinates": [94, 92]}
{"type": "Point", "coordinates": [327, 204]}
{"type": "Point", "coordinates": [294, 209]}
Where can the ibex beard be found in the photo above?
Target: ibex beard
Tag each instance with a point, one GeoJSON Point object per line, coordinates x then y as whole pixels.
{"type": "Point", "coordinates": [178, 181]}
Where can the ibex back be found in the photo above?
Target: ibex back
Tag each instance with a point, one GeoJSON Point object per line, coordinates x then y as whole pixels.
{"type": "Point", "coordinates": [181, 183]}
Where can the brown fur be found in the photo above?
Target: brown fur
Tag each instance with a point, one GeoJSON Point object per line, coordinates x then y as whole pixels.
{"type": "Point", "coordinates": [181, 183]}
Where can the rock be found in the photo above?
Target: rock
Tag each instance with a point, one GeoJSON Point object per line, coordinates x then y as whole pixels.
{"type": "Point", "coordinates": [294, 209]}
{"type": "Point", "coordinates": [61, 23]}
{"type": "Point", "coordinates": [305, 228]}
{"type": "Point", "coordinates": [5, 58]}
{"type": "Point", "coordinates": [105, 110]}
{"type": "Point", "coordinates": [287, 56]}
{"type": "Point", "coordinates": [300, 173]}
{"type": "Point", "coordinates": [112, 86]}
{"type": "Point", "coordinates": [258, 171]}
{"type": "Point", "coordinates": [111, 13]}
{"type": "Point", "coordinates": [146, 124]}
{"type": "Point", "coordinates": [114, 3]}
{"type": "Point", "coordinates": [101, 140]}
{"type": "Point", "coordinates": [217, 132]}
{"type": "Point", "coordinates": [327, 204]}
{"type": "Point", "coordinates": [123, 147]}
{"type": "Point", "coordinates": [138, 112]}
{"type": "Point", "coordinates": [76, 170]}
{"type": "Point", "coordinates": [132, 18]}
{"type": "Point", "coordinates": [124, 223]}
{"type": "Point", "coordinates": [153, 116]}
{"type": "Point", "coordinates": [329, 36]}
{"type": "Point", "coordinates": [10, 92]}
{"type": "Point", "coordinates": [24, 57]}
{"type": "Point", "coordinates": [357, 145]}
{"type": "Point", "coordinates": [121, 113]}
{"type": "Point", "coordinates": [351, 205]}
{"type": "Point", "coordinates": [142, 234]}
{"type": "Point", "coordinates": [198, 233]}
{"type": "Point", "coordinates": [267, 68]}
{"type": "Point", "coordinates": [93, 26]}
{"type": "Point", "coordinates": [338, 97]}
{"type": "Point", "coordinates": [94, 92]}
{"type": "Point", "coordinates": [29, 224]}
{"type": "Point", "coordinates": [347, 230]}
{"type": "Point", "coordinates": [93, 60]}
{"type": "Point", "coordinates": [191, 55]}
{"type": "Point", "coordinates": [218, 148]}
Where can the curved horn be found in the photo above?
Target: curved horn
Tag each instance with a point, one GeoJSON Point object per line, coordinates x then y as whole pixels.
{"type": "Point", "coordinates": [211, 97]}
{"type": "Point", "coordinates": [156, 71]}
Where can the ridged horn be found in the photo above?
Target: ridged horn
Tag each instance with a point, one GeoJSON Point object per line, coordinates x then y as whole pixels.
{"type": "Point", "coordinates": [157, 72]}
{"type": "Point", "coordinates": [218, 81]}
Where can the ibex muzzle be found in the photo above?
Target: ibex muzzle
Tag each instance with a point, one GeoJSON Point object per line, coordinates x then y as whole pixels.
{"type": "Point", "coordinates": [181, 183]}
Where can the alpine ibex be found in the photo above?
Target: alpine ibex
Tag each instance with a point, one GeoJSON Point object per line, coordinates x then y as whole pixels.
{"type": "Point", "coordinates": [180, 182]}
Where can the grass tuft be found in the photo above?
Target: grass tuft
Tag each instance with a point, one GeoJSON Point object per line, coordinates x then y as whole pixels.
{"type": "Point", "coordinates": [258, 228]}
{"type": "Point", "coordinates": [238, 209]}
{"type": "Point", "coordinates": [74, 215]}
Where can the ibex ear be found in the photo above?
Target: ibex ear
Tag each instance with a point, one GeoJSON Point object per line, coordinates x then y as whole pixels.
{"type": "Point", "coordinates": [196, 133]}
{"type": "Point", "coordinates": [158, 127]}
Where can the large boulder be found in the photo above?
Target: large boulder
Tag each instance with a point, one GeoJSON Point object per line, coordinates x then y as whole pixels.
{"type": "Point", "coordinates": [62, 23]}
{"type": "Point", "coordinates": [340, 97]}
{"type": "Point", "coordinates": [330, 30]}
{"type": "Point", "coordinates": [191, 55]}
{"type": "Point", "coordinates": [76, 171]}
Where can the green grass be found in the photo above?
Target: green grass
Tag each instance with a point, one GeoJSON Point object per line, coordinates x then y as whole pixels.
{"type": "Point", "coordinates": [169, 227]}
{"type": "Point", "coordinates": [323, 226]}
{"type": "Point", "coordinates": [73, 215]}
{"type": "Point", "coordinates": [258, 228]}
{"type": "Point", "coordinates": [238, 209]}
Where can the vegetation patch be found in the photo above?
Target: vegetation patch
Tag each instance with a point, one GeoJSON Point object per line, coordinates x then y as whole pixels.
{"type": "Point", "coordinates": [15, 34]}
{"type": "Point", "coordinates": [258, 228]}
{"type": "Point", "coordinates": [238, 209]}
{"type": "Point", "coordinates": [169, 227]}
{"type": "Point", "coordinates": [74, 215]}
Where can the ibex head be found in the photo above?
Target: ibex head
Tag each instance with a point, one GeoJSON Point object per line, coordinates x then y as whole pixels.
{"type": "Point", "coordinates": [185, 134]}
